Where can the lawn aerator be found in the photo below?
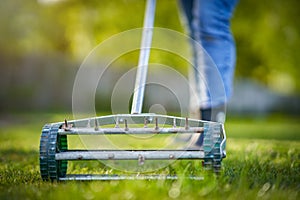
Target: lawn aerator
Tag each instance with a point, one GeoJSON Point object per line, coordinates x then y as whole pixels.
{"type": "Point", "coordinates": [54, 152]}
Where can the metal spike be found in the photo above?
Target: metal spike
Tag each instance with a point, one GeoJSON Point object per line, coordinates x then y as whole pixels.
{"type": "Point", "coordinates": [96, 125]}
{"type": "Point", "coordinates": [111, 156]}
{"type": "Point", "coordinates": [117, 123]}
{"type": "Point", "coordinates": [141, 159]}
{"type": "Point", "coordinates": [156, 124]}
{"type": "Point", "coordinates": [186, 123]}
{"type": "Point", "coordinates": [126, 125]}
{"type": "Point", "coordinates": [88, 124]}
{"type": "Point", "coordinates": [66, 125]}
{"type": "Point", "coordinates": [145, 122]}
{"type": "Point", "coordinates": [174, 123]}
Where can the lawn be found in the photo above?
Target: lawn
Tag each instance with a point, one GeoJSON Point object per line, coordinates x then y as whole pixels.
{"type": "Point", "coordinates": [263, 162]}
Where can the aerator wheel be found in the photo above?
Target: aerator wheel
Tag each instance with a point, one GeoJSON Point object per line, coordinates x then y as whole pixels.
{"type": "Point", "coordinates": [213, 162]}
{"type": "Point", "coordinates": [217, 159]}
{"type": "Point", "coordinates": [50, 144]}
{"type": "Point", "coordinates": [44, 152]}
{"type": "Point", "coordinates": [212, 148]}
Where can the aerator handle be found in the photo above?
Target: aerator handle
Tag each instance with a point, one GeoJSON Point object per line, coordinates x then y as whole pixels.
{"type": "Point", "coordinates": [141, 75]}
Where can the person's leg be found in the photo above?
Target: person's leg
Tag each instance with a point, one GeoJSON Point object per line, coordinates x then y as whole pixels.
{"type": "Point", "coordinates": [217, 40]}
{"type": "Point", "coordinates": [187, 7]}
{"type": "Point", "coordinates": [209, 25]}
{"type": "Point", "coordinates": [188, 19]}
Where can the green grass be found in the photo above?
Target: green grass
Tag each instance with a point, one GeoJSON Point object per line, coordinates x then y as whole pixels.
{"type": "Point", "coordinates": [263, 162]}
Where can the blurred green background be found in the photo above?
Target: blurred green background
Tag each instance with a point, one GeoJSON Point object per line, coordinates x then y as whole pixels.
{"type": "Point", "coordinates": [43, 43]}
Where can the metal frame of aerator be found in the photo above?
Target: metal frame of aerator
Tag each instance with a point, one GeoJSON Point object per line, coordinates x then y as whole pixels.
{"type": "Point", "coordinates": [54, 152]}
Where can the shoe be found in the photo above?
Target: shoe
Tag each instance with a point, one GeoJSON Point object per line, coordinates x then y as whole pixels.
{"type": "Point", "coordinates": [216, 114]}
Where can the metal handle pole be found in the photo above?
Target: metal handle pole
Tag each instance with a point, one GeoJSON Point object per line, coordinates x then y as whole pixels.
{"type": "Point", "coordinates": [142, 68]}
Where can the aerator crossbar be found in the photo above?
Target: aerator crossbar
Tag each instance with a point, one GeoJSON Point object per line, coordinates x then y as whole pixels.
{"type": "Point", "coordinates": [54, 152]}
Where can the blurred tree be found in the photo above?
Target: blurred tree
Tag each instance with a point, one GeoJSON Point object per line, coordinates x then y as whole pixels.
{"type": "Point", "coordinates": [267, 36]}
{"type": "Point", "coordinates": [266, 32]}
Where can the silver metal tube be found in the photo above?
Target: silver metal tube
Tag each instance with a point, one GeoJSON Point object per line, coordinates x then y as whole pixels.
{"type": "Point", "coordinates": [111, 131]}
{"type": "Point", "coordinates": [129, 155]}
{"type": "Point", "coordinates": [102, 177]}
{"type": "Point", "coordinates": [136, 119]}
{"type": "Point", "coordinates": [142, 68]}
{"type": "Point", "coordinates": [223, 143]}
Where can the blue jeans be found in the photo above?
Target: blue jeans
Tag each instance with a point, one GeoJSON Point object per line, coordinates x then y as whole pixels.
{"type": "Point", "coordinates": [209, 25]}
